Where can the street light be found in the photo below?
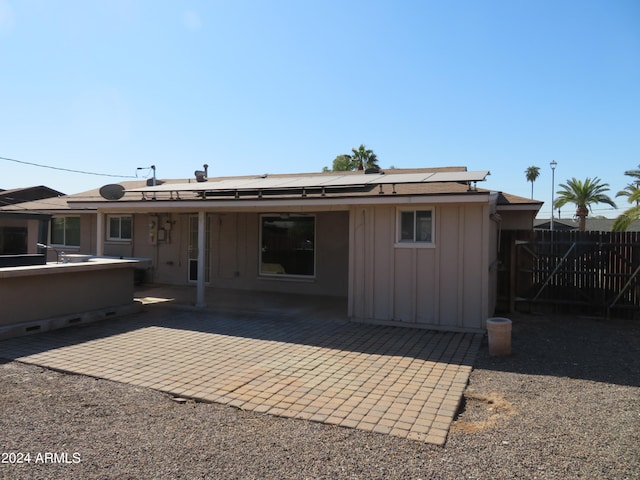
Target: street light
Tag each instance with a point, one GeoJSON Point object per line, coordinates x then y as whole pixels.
{"type": "Point", "coordinates": [553, 187]}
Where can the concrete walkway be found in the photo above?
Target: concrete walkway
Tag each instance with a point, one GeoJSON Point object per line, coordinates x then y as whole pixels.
{"type": "Point", "coordinates": [397, 381]}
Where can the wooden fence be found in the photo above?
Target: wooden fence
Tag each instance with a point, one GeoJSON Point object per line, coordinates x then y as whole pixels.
{"type": "Point", "coordinates": [595, 273]}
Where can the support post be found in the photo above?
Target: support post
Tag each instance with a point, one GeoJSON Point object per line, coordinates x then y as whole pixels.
{"type": "Point", "coordinates": [202, 230]}
{"type": "Point", "coordinates": [100, 234]}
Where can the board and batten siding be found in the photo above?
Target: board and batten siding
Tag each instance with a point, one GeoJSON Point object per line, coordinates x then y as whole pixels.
{"type": "Point", "coordinates": [444, 285]}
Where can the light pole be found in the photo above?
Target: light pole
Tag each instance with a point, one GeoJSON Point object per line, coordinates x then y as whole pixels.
{"type": "Point", "coordinates": [553, 187]}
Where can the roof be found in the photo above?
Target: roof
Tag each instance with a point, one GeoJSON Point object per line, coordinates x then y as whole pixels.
{"type": "Point", "coordinates": [325, 185]}
{"type": "Point", "coordinates": [507, 199]}
{"type": "Point", "coordinates": [24, 215]}
{"type": "Point", "coordinates": [27, 194]}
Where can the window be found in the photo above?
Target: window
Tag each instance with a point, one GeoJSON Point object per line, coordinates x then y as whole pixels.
{"type": "Point", "coordinates": [288, 245]}
{"type": "Point", "coordinates": [119, 228]}
{"type": "Point", "coordinates": [65, 231]}
{"type": "Point", "coordinates": [416, 226]}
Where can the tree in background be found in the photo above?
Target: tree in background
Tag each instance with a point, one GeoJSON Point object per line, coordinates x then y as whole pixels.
{"type": "Point", "coordinates": [632, 192]}
{"type": "Point", "coordinates": [360, 159]}
{"type": "Point", "coordinates": [583, 195]}
{"type": "Point", "coordinates": [343, 163]}
{"type": "Point", "coordinates": [626, 218]}
{"type": "Point", "coordinates": [364, 158]}
{"type": "Point", "coordinates": [532, 173]}
{"type": "Point", "coordinates": [631, 188]}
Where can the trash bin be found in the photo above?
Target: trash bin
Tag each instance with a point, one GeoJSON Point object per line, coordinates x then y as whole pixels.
{"type": "Point", "coordinates": [499, 330]}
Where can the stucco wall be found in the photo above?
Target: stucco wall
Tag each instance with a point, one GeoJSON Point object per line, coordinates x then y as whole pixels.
{"type": "Point", "coordinates": [444, 285]}
{"type": "Point", "coordinates": [35, 293]}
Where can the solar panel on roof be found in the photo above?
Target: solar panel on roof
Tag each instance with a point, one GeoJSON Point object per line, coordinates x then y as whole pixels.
{"type": "Point", "coordinates": [315, 182]}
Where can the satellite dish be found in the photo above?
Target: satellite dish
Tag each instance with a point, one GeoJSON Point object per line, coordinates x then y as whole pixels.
{"type": "Point", "coordinates": [112, 191]}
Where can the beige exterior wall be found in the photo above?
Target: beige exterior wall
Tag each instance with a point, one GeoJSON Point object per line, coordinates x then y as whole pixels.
{"type": "Point", "coordinates": [444, 285]}
{"type": "Point", "coordinates": [234, 247]}
{"type": "Point", "coordinates": [235, 255]}
{"type": "Point", "coordinates": [517, 219]}
{"type": "Point", "coordinates": [449, 284]}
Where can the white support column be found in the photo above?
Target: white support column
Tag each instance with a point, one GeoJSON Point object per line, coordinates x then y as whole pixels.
{"type": "Point", "coordinates": [202, 230]}
{"type": "Point", "coordinates": [100, 234]}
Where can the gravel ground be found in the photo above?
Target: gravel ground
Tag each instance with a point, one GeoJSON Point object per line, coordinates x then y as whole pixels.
{"type": "Point", "coordinates": [565, 405]}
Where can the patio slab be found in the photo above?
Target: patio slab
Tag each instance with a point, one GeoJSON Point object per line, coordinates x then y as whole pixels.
{"type": "Point", "coordinates": [389, 380]}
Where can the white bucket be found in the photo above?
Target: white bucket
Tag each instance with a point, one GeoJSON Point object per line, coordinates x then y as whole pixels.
{"type": "Point", "coordinates": [499, 330]}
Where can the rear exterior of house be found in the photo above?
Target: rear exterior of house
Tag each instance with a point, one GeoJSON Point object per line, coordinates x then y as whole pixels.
{"type": "Point", "coordinates": [408, 254]}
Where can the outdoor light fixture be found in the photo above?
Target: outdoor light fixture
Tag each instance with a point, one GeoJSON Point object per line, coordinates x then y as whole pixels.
{"type": "Point", "coordinates": [553, 165]}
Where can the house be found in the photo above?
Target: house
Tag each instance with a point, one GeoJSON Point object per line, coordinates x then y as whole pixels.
{"type": "Point", "coordinates": [414, 247]}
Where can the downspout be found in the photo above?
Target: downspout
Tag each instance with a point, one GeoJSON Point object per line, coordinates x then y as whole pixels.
{"type": "Point", "coordinates": [498, 219]}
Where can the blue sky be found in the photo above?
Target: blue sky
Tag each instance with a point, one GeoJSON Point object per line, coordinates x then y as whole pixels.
{"type": "Point", "coordinates": [283, 86]}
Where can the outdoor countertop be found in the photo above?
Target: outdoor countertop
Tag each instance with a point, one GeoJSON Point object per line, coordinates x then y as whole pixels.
{"type": "Point", "coordinates": [53, 268]}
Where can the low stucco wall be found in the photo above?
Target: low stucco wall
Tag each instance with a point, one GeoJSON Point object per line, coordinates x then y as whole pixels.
{"type": "Point", "coordinates": [54, 290]}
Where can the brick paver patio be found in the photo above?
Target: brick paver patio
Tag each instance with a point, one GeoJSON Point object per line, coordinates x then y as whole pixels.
{"type": "Point", "coordinates": [396, 381]}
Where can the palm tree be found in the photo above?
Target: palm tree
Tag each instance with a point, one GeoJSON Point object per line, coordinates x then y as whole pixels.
{"type": "Point", "coordinates": [583, 195]}
{"type": "Point", "coordinates": [631, 215]}
{"type": "Point", "coordinates": [364, 158]}
{"type": "Point", "coordinates": [632, 187]}
{"type": "Point", "coordinates": [532, 173]}
{"type": "Point", "coordinates": [360, 159]}
{"type": "Point", "coordinates": [632, 192]}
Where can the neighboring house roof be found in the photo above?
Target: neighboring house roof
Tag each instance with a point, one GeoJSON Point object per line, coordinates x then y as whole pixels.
{"type": "Point", "coordinates": [591, 224]}
{"type": "Point", "coordinates": [27, 194]}
{"type": "Point", "coordinates": [92, 199]}
{"type": "Point", "coordinates": [508, 200]}
{"type": "Point", "coordinates": [23, 215]}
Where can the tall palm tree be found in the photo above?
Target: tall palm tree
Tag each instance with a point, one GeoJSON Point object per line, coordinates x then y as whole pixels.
{"type": "Point", "coordinates": [364, 158]}
{"type": "Point", "coordinates": [634, 173]}
{"type": "Point", "coordinates": [583, 195]}
{"type": "Point", "coordinates": [532, 173]}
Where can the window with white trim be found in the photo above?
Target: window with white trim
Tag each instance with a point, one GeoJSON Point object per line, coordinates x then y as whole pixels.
{"type": "Point", "coordinates": [119, 227]}
{"type": "Point", "coordinates": [415, 226]}
{"type": "Point", "coordinates": [65, 231]}
{"type": "Point", "coordinates": [287, 245]}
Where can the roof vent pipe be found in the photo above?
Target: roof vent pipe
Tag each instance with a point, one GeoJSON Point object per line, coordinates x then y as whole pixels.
{"type": "Point", "coordinates": [202, 175]}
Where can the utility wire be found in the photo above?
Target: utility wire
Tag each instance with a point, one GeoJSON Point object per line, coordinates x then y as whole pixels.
{"type": "Point", "coordinates": [66, 169]}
